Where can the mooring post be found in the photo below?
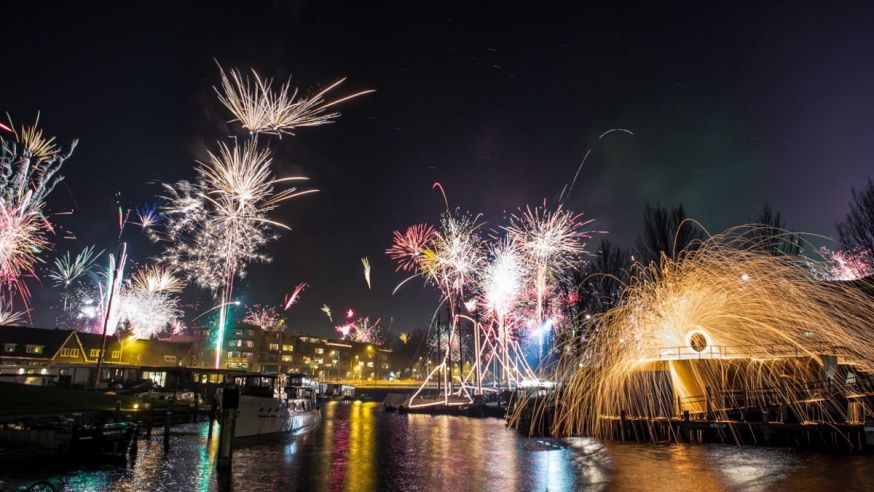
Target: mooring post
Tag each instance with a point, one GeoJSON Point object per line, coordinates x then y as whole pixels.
{"type": "Point", "coordinates": [167, 417]}
{"type": "Point", "coordinates": [149, 410]}
{"type": "Point", "coordinates": [230, 404]}
{"type": "Point", "coordinates": [212, 416]}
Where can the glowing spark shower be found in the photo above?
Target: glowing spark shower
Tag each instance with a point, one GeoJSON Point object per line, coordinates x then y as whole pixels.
{"type": "Point", "coordinates": [696, 321]}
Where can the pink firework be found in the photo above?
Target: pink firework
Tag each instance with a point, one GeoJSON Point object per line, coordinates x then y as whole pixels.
{"type": "Point", "coordinates": [291, 299]}
{"type": "Point", "coordinates": [408, 246]}
{"type": "Point", "coordinates": [264, 317]}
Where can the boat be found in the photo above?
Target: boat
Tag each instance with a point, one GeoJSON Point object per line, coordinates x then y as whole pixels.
{"type": "Point", "coordinates": [274, 404]}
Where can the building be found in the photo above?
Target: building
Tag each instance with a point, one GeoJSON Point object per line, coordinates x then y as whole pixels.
{"type": "Point", "coordinates": [250, 348]}
{"type": "Point", "coordinates": [43, 356]}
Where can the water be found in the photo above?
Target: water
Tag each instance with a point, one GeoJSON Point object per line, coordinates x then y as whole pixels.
{"type": "Point", "coordinates": [358, 447]}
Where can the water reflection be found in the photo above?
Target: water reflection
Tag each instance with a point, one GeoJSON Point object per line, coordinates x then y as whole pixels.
{"type": "Point", "coordinates": [358, 447]}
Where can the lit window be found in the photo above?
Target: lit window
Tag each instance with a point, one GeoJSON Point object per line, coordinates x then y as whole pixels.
{"type": "Point", "coordinates": [249, 344]}
{"type": "Point", "coordinates": [95, 353]}
{"type": "Point", "coordinates": [116, 354]}
{"type": "Point", "coordinates": [35, 349]}
{"type": "Point", "coordinates": [320, 351]}
{"type": "Point", "coordinates": [9, 347]}
{"type": "Point", "coordinates": [65, 352]}
{"type": "Point", "coordinates": [169, 358]}
{"type": "Point", "coordinates": [287, 348]}
{"type": "Point", "coordinates": [286, 358]}
{"type": "Point", "coordinates": [274, 346]}
{"type": "Point", "coordinates": [74, 352]}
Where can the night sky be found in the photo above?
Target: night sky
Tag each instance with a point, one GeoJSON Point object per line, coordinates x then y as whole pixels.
{"type": "Point", "coordinates": [731, 106]}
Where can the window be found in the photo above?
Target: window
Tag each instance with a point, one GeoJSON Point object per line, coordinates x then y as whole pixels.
{"type": "Point", "coordinates": [370, 364]}
{"type": "Point", "coordinates": [68, 352]}
{"type": "Point", "coordinates": [287, 348]}
{"type": "Point", "coordinates": [239, 333]}
{"type": "Point", "coordinates": [9, 347]}
{"type": "Point", "coordinates": [286, 358]}
{"type": "Point", "coordinates": [320, 361]}
{"type": "Point", "coordinates": [233, 343]}
{"type": "Point", "coordinates": [116, 354]}
{"type": "Point", "coordinates": [274, 346]}
{"type": "Point", "coordinates": [248, 344]}
{"type": "Point", "coordinates": [320, 351]}
{"type": "Point", "coordinates": [35, 349]}
{"type": "Point", "coordinates": [306, 360]}
{"type": "Point", "coordinates": [170, 358]}
{"type": "Point", "coordinates": [248, 355]}
{"type": "Point", "coordinates": [95, 353]}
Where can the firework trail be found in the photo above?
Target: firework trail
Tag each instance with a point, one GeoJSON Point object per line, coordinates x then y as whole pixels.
{"type": "Point", "coordinates": [260, 109]}
{"type": "Point", "coordinates": [264, 317]}
{"type": "Point", "coordinates": [327, 310]}
{"type": "Point", "coordinates": [366, 264]}
{"type": "Point", "coordinates": [29, 167]}
{"type": "Point", "coordinates": [291, 299]}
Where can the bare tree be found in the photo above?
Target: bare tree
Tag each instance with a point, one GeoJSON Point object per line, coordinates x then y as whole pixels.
{"type": "Point", "coordinates": [604, 278]}
{"type": "Point", "coordinates": [667, 232]}
{"type": "Point", "coordinates": [857, 229]}
{"type": "Point", "coordinates": [770, 234]}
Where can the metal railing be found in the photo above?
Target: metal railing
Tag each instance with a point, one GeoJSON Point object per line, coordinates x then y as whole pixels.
{"type": "Point", "coordinates": [772, 351]}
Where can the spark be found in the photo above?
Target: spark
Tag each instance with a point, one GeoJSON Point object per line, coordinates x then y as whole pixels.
{"type": "Point", "coordinates": [291, 299]}
{"type": "Point", "coordinates": [260, 109]}
{"type": "Point", "coordinates": [327, 311]}
{"type": "Point", "coordinates": [349, 313]}
{"type": "Point", "coordinates": [366, 264]}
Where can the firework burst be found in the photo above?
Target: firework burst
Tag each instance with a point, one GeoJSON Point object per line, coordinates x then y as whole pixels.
{"type": "Point", "coordinates": [261, 109]}
{"type": "Point", "coordinates": [264, 317]}
{"type": "Point", "coordinates": [215, 227]}
{"type": "Point", "coordinates": [29, 166]}
{"type": "Point", "coordinates": [409, 246]}
{"type": "Point", "coordinates": [66, 269]}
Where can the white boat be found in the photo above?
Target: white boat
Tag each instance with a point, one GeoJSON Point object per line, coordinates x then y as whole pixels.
{"type": "Point", "coordinates": [274, 404]}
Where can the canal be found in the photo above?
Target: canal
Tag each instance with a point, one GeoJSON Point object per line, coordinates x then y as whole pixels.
{"type": "Point", "coordinates": [358, 447]}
